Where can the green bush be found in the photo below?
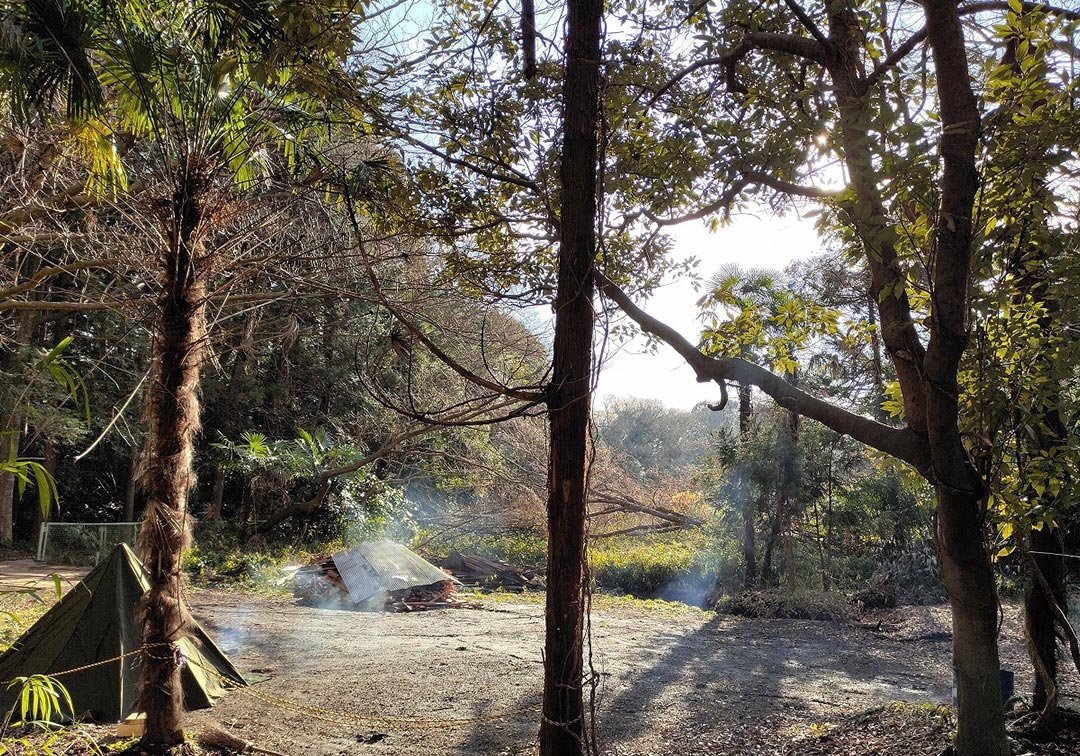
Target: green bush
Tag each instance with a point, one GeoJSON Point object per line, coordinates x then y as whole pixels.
{"type": "Point", "coordinates": [683, 567]}
{"type": "Point", "coordinates": [521, 548]}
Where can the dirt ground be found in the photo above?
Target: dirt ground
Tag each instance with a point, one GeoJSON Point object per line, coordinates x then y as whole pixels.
{"type": "Point", "coordinates": [668, 683]}
{"type": "Point", "coordinates": [30, 575]}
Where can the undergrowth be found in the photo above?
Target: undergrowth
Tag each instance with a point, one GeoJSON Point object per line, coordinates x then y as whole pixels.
{"type": "Point", "coordinates": [605, 602]}
{"type": "Point", "coordinates": [784, 604]}
{"type": "Point", "coordinates": [19, 609]}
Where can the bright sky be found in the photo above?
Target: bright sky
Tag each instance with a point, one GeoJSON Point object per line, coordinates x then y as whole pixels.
{"type": "Point", "coordinates": [751, 241]}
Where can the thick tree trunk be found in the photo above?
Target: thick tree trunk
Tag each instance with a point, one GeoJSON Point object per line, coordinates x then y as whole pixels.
{"type": "Point", "coordinates": [562, 729]}
{"type": "Point", "coordinates": [965, 564]}
{"type": "Point", "coordinates": [168, 473]}
{"type": "Point", "coordinates": [969, 578]}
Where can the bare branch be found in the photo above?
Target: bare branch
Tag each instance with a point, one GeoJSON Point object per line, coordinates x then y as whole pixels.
{"type": "Point", "coordinates": [807, 22]}
{"type": "Point", "coordinates": [725, 200]}
{"type": "Point", "coordinates": [901, 443]}
{"type": "Point", "coordinates": [901, 52]}
{"type": "Point", "coordinates": [789, 44]}
{"type": "Point", "coordinates": [996, 5]}
{"type": "Point", "coordinates": [969, 9]}
{"type": "Point", "coordinates": [799, 190]}
{"type": "Point", "coordinates": [721, 203]}
{"type": "Point", "coordinates": [55, 270]}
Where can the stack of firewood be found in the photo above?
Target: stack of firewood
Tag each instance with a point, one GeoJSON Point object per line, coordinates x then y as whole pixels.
{"type": "Point", "coordinates": [438, 596]}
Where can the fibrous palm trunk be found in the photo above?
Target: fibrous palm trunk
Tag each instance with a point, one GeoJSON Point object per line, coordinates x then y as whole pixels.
{"type": "Point", "coordinates": [168, 476]}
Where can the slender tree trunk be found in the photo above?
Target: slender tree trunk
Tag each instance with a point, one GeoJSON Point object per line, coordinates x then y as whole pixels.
{"type": "Point", "coordinates": [1039, 612]}
{"type": "Point", "coordinates": [217, 496]}
{"type": "Point", "coordinates": [749, 545]}
{"type": "Point", "coordinates": [789, 484]}
{"type": "Point", "coordinates": [48, 461]}
{"type": "Point", "coordinates": [1031, 270]}
{"type": "Point", "coordinates": [876, 359]}
{"type": "Point", "coordinates": [827, 569]}
{"type": "Point", "coordinates": [768, 577]}
{"type": "Point", "coordinates": [132, 489]}
{"type": "Point", "coordinates": [243, 358]}
{"type": "Point", "coordinates": [7, 499]}
{"type": "Point", "coordinates": [9, 438]}
{"type": "Point", "coordinates": [562, 729]}
{"type": "Point", "coordinates": [173, 414]}
{"type": "Point", "coordinates": [823, 563]}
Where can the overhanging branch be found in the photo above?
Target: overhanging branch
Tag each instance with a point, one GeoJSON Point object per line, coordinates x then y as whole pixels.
{"type": "Point", "coordinates": [902, 443]}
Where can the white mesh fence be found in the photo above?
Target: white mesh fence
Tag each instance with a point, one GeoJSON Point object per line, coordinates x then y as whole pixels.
{"type": "Point", "coordinates": [83, 543]}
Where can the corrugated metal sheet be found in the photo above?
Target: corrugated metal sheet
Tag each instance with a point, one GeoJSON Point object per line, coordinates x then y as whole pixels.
{"type": "Point", "coordinates": [381, 566]}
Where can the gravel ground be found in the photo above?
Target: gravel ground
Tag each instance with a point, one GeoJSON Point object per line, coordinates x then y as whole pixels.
{"type": "Point", "coordinates": [668, 683]}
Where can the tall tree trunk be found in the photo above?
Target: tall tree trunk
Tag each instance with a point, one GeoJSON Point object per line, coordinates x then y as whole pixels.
{"type": "Point", "coordinates": [168, 474]}
{"type": "Point", "coordinates": [768, 577]}
{"type": "Point", "coordinates": [876, 359]}
{"type": "Point", "coordinates": [243, 359]}
{"type": "Point", "coordinates": [562, 729]}
{"type": "Point", "coordinates": [965, 564]}
{"type": "Point", "coordinates": [1042, 413]}
{"type": "Point", "coordinates": [7, 499]}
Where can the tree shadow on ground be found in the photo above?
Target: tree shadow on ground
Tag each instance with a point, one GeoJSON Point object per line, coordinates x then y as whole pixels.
{"type": "Point", "coordinates": [730, 669]}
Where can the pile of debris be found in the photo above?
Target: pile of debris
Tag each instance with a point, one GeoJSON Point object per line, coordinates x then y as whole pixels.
{"type": "Point", "coordinates": [380, 575]}
{"type": "Point", "coordinates": [318, 583]}
{"type": "Point", "coordinates": [489, 573]}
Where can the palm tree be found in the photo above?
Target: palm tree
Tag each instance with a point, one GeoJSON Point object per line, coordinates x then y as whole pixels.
{"type": "Point", "coordinates": [211, 93]}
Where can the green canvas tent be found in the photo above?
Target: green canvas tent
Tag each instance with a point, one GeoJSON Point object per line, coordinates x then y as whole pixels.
{"type": "Point", "coordinates": [94, 622]}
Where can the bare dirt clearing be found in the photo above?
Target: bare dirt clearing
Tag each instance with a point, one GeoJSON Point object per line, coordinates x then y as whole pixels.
{"type": "Point", "coordinates": [683, 683]}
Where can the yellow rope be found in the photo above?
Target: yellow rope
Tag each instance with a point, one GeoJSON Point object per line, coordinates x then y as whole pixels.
{"type": "Point", "coordinates": [101, 663]}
